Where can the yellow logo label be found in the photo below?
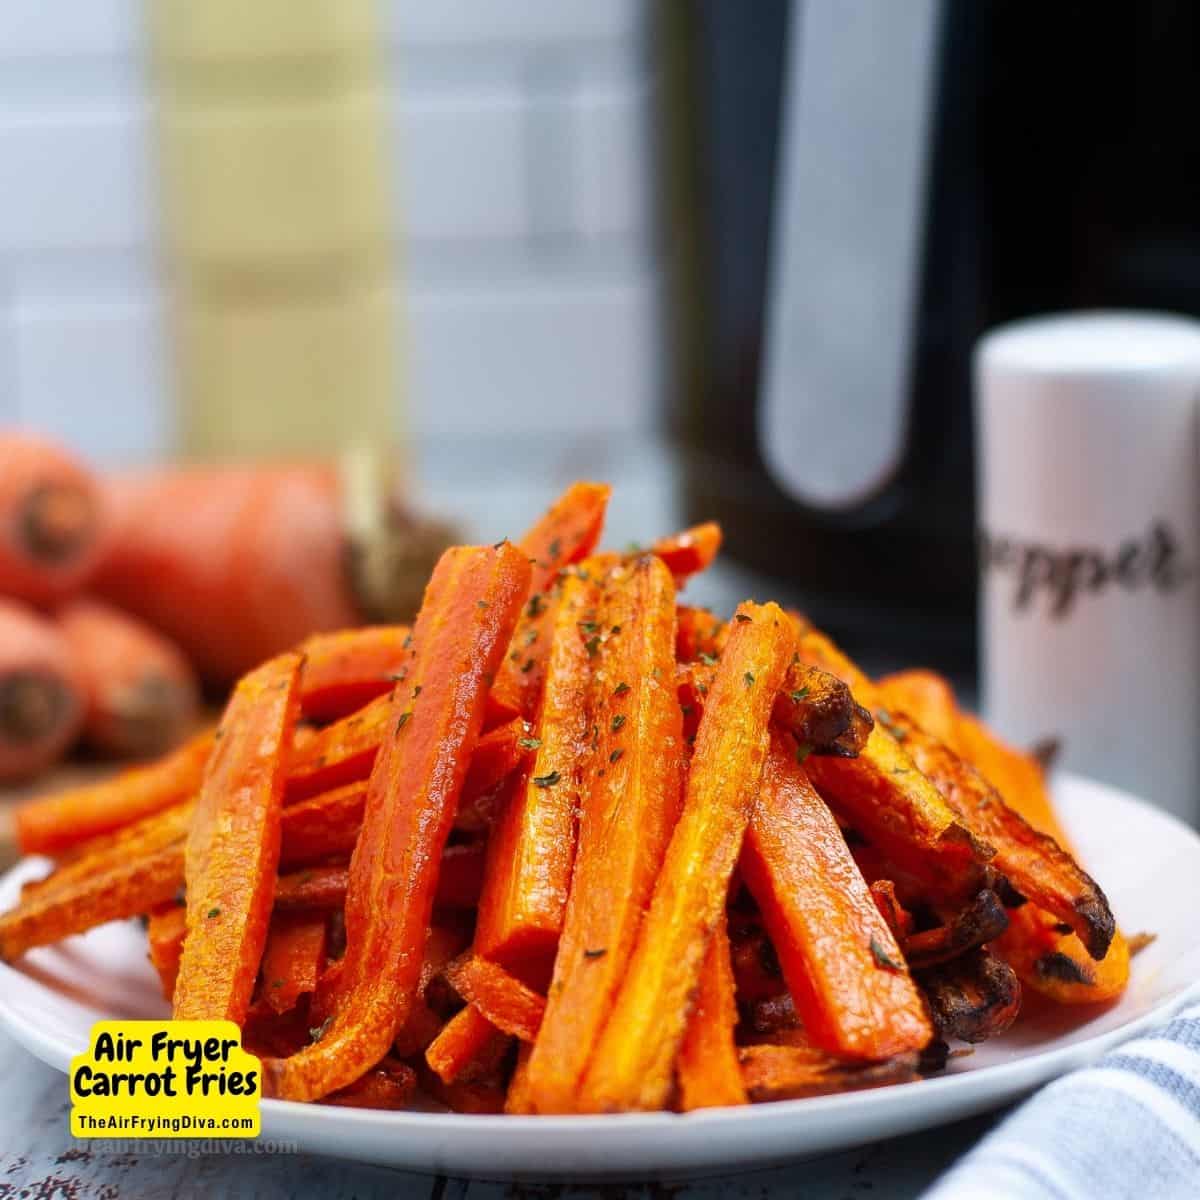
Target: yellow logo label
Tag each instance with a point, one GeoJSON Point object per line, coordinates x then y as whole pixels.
{"type": "Point", "coordinates": [165, 1079]}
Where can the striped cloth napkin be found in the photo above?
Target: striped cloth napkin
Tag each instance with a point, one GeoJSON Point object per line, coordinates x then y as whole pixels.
{"type": "Point", "coordinates": [1129, 1126]}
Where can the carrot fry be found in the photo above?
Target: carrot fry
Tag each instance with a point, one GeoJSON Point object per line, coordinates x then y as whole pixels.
{"type": "Point", "coordinates": [698, 633]}
{"type": "Point", "coordinates": [423, 1024]}
{"type": "Point", "coordinates": [516, 1101]}
{"type": "Point", "coordinates": [315, 889]}
{"type": "Point", "coordinates": [972, 998]}
{"type": "Point", "coordinates": [1033, 862]}
{"type": "Point", "coordinates": [475, 1097]}
{"type": "Point", "coordinates": [233, 846]}
{"type": "Point", "coordinates": [532, 846]}
{"type": "Point", "coordinates": [629, 810]}
{"type": "Point", "coordinates": [341, 753]}
{"type": "Point", "coordinates": [292, 960]}
{"type": "Point", "coordinates": [689, 552]}
{"type": "Point", "coordinates": [469, 1046]}
{"type": "Point", "coordinates": [164, 931]}
{"type": "Point", "coordinates": [470, 609]}
{"type": "Point", "coordinates": [631, 1067]}
{"type": "Point", "coordinates": [927, 698]}
{"type": "Point", "coordinates": [500, 997]}
{"type": "Point", "coordinates": [345, 670]}
{"type": "Point", "coordinates": [772, 1072]}
{"type": "Point", "coordinates": [52, 824]}
{"type": "Point", "coordinates": [1047, 956]}
{"type": "Point", "coordinates": [322, 826]}
{"type": "Point", "coordinates": [982, 920]}
{"type": "Point", "coordinates": [460, 881]}
{"type": "Point", "coordinates": [124, 890]}
{"type": "Point", "coordinates": [756, 970]}
{"type": "Point", "coordinates": [709, 1074]}
{"type": "Point", "coordinates": [846, 974]}
{"type": "Point", "coordinates": [388, 1086]}
{"type": "Point", "coordinates": [497, 755]}
{"type": "Point", "coordinates": [567, 532]}
{"type": "Point", "coordinates": [888, 800]}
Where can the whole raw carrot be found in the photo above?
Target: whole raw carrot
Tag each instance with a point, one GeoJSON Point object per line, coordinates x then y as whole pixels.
{"type": "Point", "coordinates": [848, 979]}
{"type": "Point", "coordinates": [233, 846]}
{"type": "Point", "coordinates": [630, 806]}
{"type": "Point", "coordinates": [53, 521]}
{"type": "Point", "coordinates": [52, 824]}
{"type": "Point", "coordinates": [532, 846]}
{"type": "Point", "coordinates": [142, 697]}
{"type": "Point", "coordinates": [41, 695]}
{"type": "Point", "coordinates": [633, 1063]}
{"type": "Point", "coordinates": [239, 563]}
{"type": "Point", "coordinates": [709, 1073]}
{"type": "Point", "coordinates": [470, 609]}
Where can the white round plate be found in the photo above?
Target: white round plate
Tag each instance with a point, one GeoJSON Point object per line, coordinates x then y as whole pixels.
{"type": "Point", "coordinates": [1147, 861]}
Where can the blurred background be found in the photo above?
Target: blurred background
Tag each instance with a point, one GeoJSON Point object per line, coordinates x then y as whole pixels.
{"type": "Point", "coordinates": [732, 258]}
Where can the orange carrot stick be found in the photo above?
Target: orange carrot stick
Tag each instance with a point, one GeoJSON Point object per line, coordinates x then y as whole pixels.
{"type": "Point", "coordinates": [54, 526]}
{"type": "Point", "coordinates": [233, 846]}
{"type": "Point", "coordinates": [791, 1072]}
{"type": "Point", "coordinates": [129, 888]}
{"type": "Point", "coordinates": [292, 960]}
{"type": "Point", "coordinates": [1034, 863]}
{"type": "Point", "coordinates": [165, 929]}
{"type": "Point", "coordinates": [54, 823]}
{"type": "Point", "coordinates": [470, 609]}
{"type": "Point", "coordinates": [42, 693]}
{"type": "Point", "coordinates": [926, 697]}
{"type": "Point", "coordinates": [345, 670]}
{"type": "Point", "coordinates": [629, 810]}
{"type": "Point", "coordinates": [516, 1100]}
{"type": "Point", "coordinates": [500, 997]}
{"type": "Point", "coordinates": [532, 846]}
{"type": "Point", "coordinates": [142, 696]}
{"type": "Point", "coordinates": [689, 552]}
{"type": "Point", "coordinates": [468, 1046]}
{"type": "Point", "coordinates": [635, 1056]}
{"type": "Point", "coordinates": [698, 633]}
{"type": "Point", "coordinates": [847, 976]}
{"type": "Point", "coordinates": [312, 889]}
{"type": "Point", "coordinates": [322, 826]}
{"type": "Point", "coordinates": [709, 1073]}
{"type": "Point", "coordinates": [567, 532]}
{"type": "Point", "coordinates": [388, 1086]}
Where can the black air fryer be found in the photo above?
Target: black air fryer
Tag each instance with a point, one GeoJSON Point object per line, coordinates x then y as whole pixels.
{"type": "Point", "coordinates": [860, 188]}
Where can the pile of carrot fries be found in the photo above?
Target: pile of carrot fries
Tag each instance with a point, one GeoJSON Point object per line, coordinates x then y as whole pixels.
{"type": "Point", "coordinates": [569, 846]}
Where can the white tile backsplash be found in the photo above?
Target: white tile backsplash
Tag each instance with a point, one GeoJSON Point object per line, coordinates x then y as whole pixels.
{"type": "Point", "coordinates": [550, 357]}
{"type": "Point", "coordinates": [461, 164]}
{"type": "Point", "coordinates": [524, 205]}
{"type": "Point", "coordinates": [74, 180]}
{"type": "Point", "coordinates": [94, 376]}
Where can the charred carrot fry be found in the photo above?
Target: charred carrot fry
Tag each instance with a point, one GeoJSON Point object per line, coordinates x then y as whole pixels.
{"type": "Point", "coordinates": [532, 846]}
{"type": "Point", "coordinates": [233, 846]}
{"type": "Point", "coordinates": [847, 976]}
{"type": "Point", "coordinates": [886, 797]}
{"type": "Point", "coordinates": [631, 1067]}
{"type": "Point", "coordinates": [470, 609]}
{"type": "Point", "coordinates": [124, 890]}
{"type": "Point", "coordinates": [500, 997]}
{"type": "Point", "coordinates": [773, 1072]}
{"type": "Point", "coordinates": [689, 552]}
{"type": "Point", "coordinates": [1046, 954]}
{"type": "Point", "coordinates": [387, 1086]}
{"type": "Point", "coordinates": [629, 811]}
{"type": "Point", "coordinates": [345, 670]}
{"type": "Point", "coordinates": [972, 998]}
{"type": "Point", "coordinates": [567, 532]}
{"type": "Point", "coordinates": [164, 932]}
{"type": "Point", "coordinates": [1033, 862]}
{"type": "Point", "coordinates": [469, 1046]}
{"type": "Point", "coordinates": [293, 959]}
{"type": "Point", "coordinates": [52, 824]}
{"type": "Point", "coordinates": [709, 1074]}
{"type": "Point", "coordinates": [698, 633]}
